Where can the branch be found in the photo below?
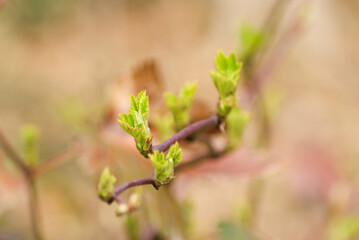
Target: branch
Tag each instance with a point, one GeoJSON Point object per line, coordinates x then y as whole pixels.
{"type": "Point", "coordinates": [56, 160]}
{"type": "Point", "coordinates": [270, 62]}
{"type": "Point", "coordinates": [191, 163]}
{"type": "Point", "coordinates": [13, 155]}
{"type": "Point", "coordinates": [191, 129]}
{"type": "Point", "coordinates": [30, 182]}
{"type": "Point", "coordinates": [212, 121]}
{"type": "Point", "coordinates": [34, 209]}
{"type": "Point", "coordinates": [133, 183]}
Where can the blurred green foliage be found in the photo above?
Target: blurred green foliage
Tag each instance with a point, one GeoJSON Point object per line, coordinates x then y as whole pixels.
{"type": "Point", "coordinates": [164, 125]}
{"type": "Point", "coordinates": [233, 231]}
{"type": "Point", "coordinates": [344, 228]}
{"type": "Point", "coordinates": [30, 139]}
{"type": "Point", "coordinates": [132, 227]}
{"type": "Point", "coordinates": [73, 112]}
{"type": "Point", "coordinates": [250, 40]}
{"type": "Point", "coordinates": [27, 16]}
{"type": "Point", "coordinates": [236, 122]}
{"type": "Point", "coordinates": [180, 105]}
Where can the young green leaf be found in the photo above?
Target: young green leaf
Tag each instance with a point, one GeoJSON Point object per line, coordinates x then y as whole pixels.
{"type": "Point", "coordinates": [30, 137]}
{"type": "Point", "coordinates": [180, 105]}
{"type": "Point", "coordinates": [106, 185]}
{"type": "Point", "coordinates": [225, 79]}
{"type": "Point", "coordinates": [174, 153]}
{"type": "Point", "coordinates": [236, 122]}
{"type": "Point", "coordinates": [164, 164]}
{"type": "Point", "coordinates": [135, 122]}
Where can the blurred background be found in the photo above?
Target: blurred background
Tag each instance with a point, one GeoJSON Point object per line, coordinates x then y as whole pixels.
{"type": "Point", "coordinates": [67, 68]}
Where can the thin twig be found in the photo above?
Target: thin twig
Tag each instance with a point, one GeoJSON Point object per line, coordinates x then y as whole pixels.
{"type": "Point", "coordinates": [133, 183]}
{"type": "Point", "coordinates": [212, 121]}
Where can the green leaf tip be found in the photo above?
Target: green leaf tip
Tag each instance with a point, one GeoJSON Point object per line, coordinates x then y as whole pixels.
{"type": "Point", "coordinates": [236, 122]}
{"type": "Point", "coordinates": [180, 105]}
{"type": "Point", "coordinates": [163, 164]}
{"type": "Point", "coordinates": [225, 79]}
{"type": "Point", "coordinates": [106, 185]}
{"type": "Point", "coordinates": [30, 137]}
{"type": "Point", "coordinates": [135, 122]}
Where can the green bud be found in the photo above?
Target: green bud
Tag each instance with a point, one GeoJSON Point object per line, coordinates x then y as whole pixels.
{"type": "Point", "coordinates": [106, 185]}
{"type": "Point", "coordinates": [164, 164]}
{"type": "Point", "coordinates": [30, 137]}
{"type": "Point", "coordinates": [225, 79]}
{"type": "Point", "coordinates": [180, 105]}
{"type": "Point", "coordinates": [135, 122]}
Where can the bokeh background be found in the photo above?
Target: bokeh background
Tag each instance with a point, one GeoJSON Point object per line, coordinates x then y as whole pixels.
{"type": "Point", "coordinates": [67, 66]}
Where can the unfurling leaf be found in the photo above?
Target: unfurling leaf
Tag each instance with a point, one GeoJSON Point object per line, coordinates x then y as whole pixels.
{"type": "Point", "coordinates": [175, 153]}
{"type": "Point", "coordinates": [180, 105]}
{"type": "Point", "coordinates": [236, 122]}
{"type": "Point", "coordinates": [135, 122]}
{"type": "Point", "coordinates": [225, 79]}
{"type": "Point", "coordinates": [164, 164]}
{"type": "Point", "coordinates": [106, 185]}
{"type": "Point", "coordinates": [30, 138]}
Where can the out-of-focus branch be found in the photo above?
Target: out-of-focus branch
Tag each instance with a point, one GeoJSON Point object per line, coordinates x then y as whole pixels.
{"type": "Point", "coordinates": [56, 160]}
{"type": "Point", "coordinates": [271, 61]}
{"type": "Point", "coordinates": [30, 182]}
{"type": "Point", "coordinates": [198, 160]}
{"type": "Point", "coordinates": [34, 209]}
{"type": "Point", "coordinates": [13, 155]}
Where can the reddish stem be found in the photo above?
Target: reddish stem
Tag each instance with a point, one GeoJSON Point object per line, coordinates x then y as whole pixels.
{"type": "Point", "coordinates": [188, 131]}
